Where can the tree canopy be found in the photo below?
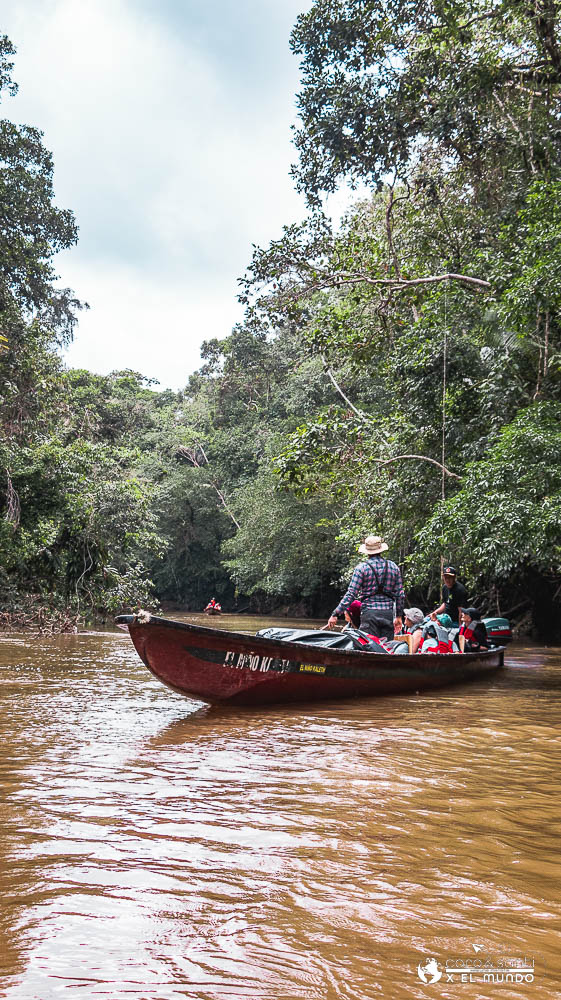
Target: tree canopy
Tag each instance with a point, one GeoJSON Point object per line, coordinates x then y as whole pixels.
{"type": "Point", "coordinates": [385, 83]}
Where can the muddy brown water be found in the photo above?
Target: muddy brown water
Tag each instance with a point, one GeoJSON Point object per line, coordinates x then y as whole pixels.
{"type": "Point", "coordinates": [154, 848]}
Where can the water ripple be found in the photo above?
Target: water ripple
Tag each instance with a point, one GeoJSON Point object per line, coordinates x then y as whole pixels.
{"type": "Point", "coordinates": [153, 848]}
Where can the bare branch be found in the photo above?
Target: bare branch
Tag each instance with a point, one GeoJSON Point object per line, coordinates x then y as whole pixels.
{"type": "Point", "coordinates": [481, 17]}
{"type": "Point", "coordinates": [338, 279]}
{"type": "Point", "coordinates": [419, 458]}
{"type": "Point", "coordinates": [359, 413]}
{"type": "Point", "coordinates": [399, 283]}
{"type": "Point", "coordinates": [13, 506]}
{"type": "Point", "coordinates": [191, 454]}
{"type": "Point", "coordinates": [366, 416]}
{"type": "Point", "coordinates": [213, 486]}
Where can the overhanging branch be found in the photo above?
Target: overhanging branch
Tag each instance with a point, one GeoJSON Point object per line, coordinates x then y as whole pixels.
{"type": "Point", "coordinates": [419, 458]}
{"type": "Point", "coordinates": [350, 277]}
{"type": "Point", "coordinates": [307, 280]}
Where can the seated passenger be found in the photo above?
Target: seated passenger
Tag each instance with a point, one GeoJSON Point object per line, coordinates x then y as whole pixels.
{"type": "Point", "coordinates": [414, 618]}
{"type": "Point", "coordinates": [213, 606]}
{"type": "Point", "coordinates": [352, 615]}
{"type": "Point", "coordinates": [473, 630]}
{"type": "Point", "coordinates": [444, 620]}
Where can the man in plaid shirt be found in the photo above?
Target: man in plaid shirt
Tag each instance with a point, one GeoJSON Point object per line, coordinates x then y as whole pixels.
{"type": "Point", "coordinates": [377, 583]}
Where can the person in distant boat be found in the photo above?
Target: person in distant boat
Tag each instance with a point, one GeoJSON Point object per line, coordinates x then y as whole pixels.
{"type": "Point", "coordinates": [474, 631]}
{"type": "Point", "coordinates": [377, 581]}
{"type": "Point", "coordinates": [213, 605]}
{"type": "Point", "coordinates": [413, 624]}
{"type": "Point", "coordinates": [454, 595]}
{"type": "Point", "coordinates": [352, 615]}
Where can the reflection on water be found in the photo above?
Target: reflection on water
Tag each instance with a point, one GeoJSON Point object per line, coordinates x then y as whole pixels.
{"type": "Point", "coordinates": [156, 848]}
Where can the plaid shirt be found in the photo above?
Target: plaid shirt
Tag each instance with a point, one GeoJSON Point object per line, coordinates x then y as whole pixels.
{"type": "Point", "coordinates": [366, 583]}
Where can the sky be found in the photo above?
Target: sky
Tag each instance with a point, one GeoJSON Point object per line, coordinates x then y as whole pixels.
{"type": "Point", "coordinates": [169, 123]}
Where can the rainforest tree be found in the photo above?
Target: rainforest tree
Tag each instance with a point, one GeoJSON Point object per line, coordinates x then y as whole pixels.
{"type": "Point", "coordinates": [440, 290]}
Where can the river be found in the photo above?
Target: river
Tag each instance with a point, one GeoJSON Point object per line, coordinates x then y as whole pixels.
{"type": "Point", "coordinates": [155, 848]}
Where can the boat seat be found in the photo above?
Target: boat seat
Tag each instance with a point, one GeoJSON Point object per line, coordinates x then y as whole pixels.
{"type": "Point", "coordinates": [407, 638]}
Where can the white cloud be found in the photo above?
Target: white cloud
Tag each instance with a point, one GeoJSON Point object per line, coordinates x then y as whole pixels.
{"type": "Point", "coordinates": [174, 160]}
{"type": "Point", "coordinates": [153, 328]}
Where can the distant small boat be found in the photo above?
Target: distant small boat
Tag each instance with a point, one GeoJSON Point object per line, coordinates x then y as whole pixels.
{"type": "Point", "coordinates": [214, 665]}
{"type": "Point", "coordinates": [213, 608]}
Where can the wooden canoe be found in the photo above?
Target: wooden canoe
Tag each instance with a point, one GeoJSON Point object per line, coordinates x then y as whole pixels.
{"type": "Point", "coordinates": [218, 666]}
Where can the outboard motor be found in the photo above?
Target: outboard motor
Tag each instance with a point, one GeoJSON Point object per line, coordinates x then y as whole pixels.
{"type": "Point", "coordinates": [498, 630]}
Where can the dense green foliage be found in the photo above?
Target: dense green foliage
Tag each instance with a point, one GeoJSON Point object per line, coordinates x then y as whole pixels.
{"type": "Point", "coordinates": [476, 82]}
{"type": "Point", "coordinates": [451, 112]}
{"type": "Point", "coordinates": [396, 373]}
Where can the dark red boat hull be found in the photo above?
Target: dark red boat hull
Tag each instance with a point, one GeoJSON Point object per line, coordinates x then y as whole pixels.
{"type": "Point", "coordinates": [218, 666]}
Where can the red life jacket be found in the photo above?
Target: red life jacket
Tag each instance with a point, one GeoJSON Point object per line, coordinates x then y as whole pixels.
{"type": "Point", "coordinates": [469, 632]}
{"type": "Point", "coordinates": [384, 643]}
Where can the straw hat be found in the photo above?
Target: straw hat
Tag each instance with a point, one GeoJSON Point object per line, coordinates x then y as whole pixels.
{"type": "Point", "coordinates": [372, 546]}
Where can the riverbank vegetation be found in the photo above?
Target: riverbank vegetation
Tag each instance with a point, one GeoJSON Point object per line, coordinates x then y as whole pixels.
{"type": "Point", "coordinates": [397, 372]}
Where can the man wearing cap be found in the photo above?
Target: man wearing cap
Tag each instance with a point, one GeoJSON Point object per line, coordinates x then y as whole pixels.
{"type": "Point", "coordinates": [454, 595]}
{"type": "Point", "coordinates": [474, 631]}
{"type": "Point", "coordinates": [378, 584]}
